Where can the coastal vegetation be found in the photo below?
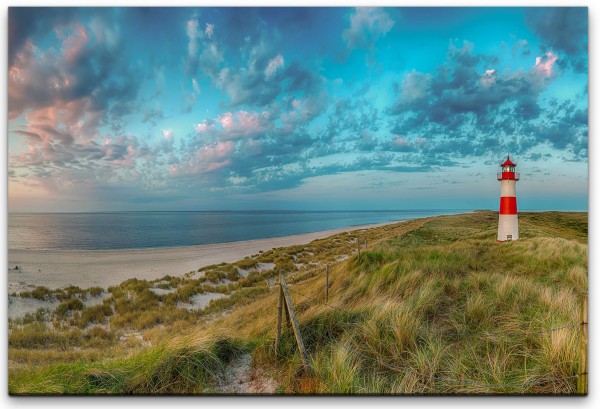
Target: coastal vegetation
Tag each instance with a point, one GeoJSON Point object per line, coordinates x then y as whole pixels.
{"type": "Point", "coordinates": [429, 306]}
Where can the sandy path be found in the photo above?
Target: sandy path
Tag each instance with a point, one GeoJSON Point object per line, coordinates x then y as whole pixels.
{"type": "Point", "coordinates": [88, 268]}
{"type": "Point", "coordinates": [240, 378]}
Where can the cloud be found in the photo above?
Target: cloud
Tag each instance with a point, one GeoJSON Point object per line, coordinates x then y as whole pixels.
{"type": "Point", "coordinates": [243, 124]}
{"type": "Point", "coordinates": [367, 25]}
{"type": "Point", "coordinates": [203, 52]}
{"type": "Point", "coordinates": [72, 88]}
{"type": "Point", "coordinates": [205, 126]}
{"type": "Point", "coordinates": [209, 30]}
{"type": "Point", "coordinates": [461, 89]}
{"type": "Point", "coordinates": [87, 75]}
{"type": "Point", "coordinates": [488, 79]}
{"type": "Point", "coordinates": [26, 24]}
{"type": "Point", "coordinates": [545, 63]}
{"type": "Point", "coordinates": [521, 48]}
{"type": "Point", "coordinates": [153, 114]}
{"type": "Point", "coordinates": [461, 106]}
{"type": "Point", "coordinates": [193, 35]}
{"type": "Point", "coordinates": [195, 86]}
{"type": "Point", "coordinates": [188, 99]}
{"type": "Point", "coordinates": [276, 123]}
{"type": "Point", "coordinates": [274, 65]}
{"type": "Point", "coordinates": [563, 30]}
{"type": "Point", "coordinates": [255, 73]}
{"type": "Point", "coordinates": [207, 159]}
{"type": "Point", "coordinates": [231, 126]}
{"type": "Point", "coordinates": [302, 111]}
{"type": "Point", "coordinates": [415, 87]}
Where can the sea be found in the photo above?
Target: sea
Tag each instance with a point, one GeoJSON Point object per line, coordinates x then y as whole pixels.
{"type": "Point", "coordinates": [138, 230]}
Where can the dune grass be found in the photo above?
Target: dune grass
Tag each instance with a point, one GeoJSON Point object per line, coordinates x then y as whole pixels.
{"type": "Point", "coordinates": [434, 306]}
{"type": "Point", "coordinates": [182, 366]}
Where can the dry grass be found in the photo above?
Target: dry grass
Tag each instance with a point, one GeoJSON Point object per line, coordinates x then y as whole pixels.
{"type": "Point", "coordinates": [434, 306]}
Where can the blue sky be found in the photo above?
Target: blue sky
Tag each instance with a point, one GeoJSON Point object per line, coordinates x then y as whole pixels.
{"type": "Point", "coordinates": [295, 108]}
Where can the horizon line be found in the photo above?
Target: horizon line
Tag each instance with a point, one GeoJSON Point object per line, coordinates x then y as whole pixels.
{"type": "Point", "coordinates": [289, 211]}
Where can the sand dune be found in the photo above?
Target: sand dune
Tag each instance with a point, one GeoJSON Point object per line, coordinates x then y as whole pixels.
{"type": "Point", "coordinates": [88, 268]}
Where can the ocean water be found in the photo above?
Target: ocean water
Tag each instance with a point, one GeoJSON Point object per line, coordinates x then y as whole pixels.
{"type": "Point", "coordinates": [134, 230]}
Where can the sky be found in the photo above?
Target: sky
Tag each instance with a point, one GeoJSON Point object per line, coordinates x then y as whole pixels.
{"type": "Point", "coordinates": [295, 108]}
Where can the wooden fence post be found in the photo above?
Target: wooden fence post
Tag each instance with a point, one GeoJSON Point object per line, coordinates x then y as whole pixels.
{"type": "Point", "coordinates": [358, 246]}
{"type": "Point", "coordinates": [327, 283]}
{"type": "Point", "coordinates": [582, 379]}
{"type": "Point", "coordinates": [288, 321]}
{"type": "Point", "coordinates": [295, 326]}
{"type": "Point", "coordinates": [279, 316]}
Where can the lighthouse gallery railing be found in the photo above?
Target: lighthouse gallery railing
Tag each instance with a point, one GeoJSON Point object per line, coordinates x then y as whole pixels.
{"type": "Point", "coordinates": [507, 175]}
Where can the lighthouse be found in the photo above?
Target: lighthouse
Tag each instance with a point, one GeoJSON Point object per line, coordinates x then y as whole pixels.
{"type": "Point", "coordinates": [508, 222]}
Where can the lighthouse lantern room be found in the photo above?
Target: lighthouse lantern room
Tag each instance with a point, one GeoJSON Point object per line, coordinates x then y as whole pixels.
{"type": "Point", "coordinates": [508, 222]}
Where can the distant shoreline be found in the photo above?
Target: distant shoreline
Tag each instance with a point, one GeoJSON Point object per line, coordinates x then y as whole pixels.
{"type": "Point", "coordinates": [165, 230]}
{"type": "Point", "coordinates": [104, 268]}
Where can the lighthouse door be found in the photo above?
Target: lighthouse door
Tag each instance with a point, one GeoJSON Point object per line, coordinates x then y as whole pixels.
{"type": "Point", "coordinates": [508, 237]}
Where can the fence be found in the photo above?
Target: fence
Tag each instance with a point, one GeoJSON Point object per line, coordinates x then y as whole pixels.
{"type": "Point", "coordinates": [581, 376]}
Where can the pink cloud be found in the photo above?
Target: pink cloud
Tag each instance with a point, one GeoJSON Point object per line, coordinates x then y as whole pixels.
{"type": "Point", "coordinates": [204, 126]}
{"type": "Point", "coordinates": [243, 124]}
{"type": "Point", "coordinates": [401, 142]}
{"type": "Point", "coordinates": [544, 64]}
{"type": "Point", "coordinates": [218, 151]}
{"type": "Point", "coordinates": [74, 45]}
{"type": "Point", "coordinates": [489, 78]}
{"type": "Point", "coordinates": [207, 159]}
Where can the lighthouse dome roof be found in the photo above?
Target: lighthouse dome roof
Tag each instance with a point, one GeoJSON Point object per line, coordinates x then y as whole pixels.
{"type": "Point", "coordinates": [508, 162]}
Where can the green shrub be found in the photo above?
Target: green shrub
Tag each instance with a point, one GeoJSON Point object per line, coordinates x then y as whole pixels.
{"type": "Point", "coordinates": [95, 314]}
{"type": "Point", "coordinates": [247, 263]}
{"type": "Point", "coordinates": [73, 304]}
{"type": "Point", "coordinates": [95, 291]}
{"type": "Point", "coordinates": [39, 293]}
{"type": "Point", "coordinates": [38, 335]}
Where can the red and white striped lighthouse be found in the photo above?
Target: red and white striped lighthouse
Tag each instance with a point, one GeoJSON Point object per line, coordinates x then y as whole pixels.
{"type": "Point", "coordinates": [508, 222]}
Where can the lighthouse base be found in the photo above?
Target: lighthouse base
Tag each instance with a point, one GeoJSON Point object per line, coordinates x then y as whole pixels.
{"type": "Point", "coordinates": [508, 227]}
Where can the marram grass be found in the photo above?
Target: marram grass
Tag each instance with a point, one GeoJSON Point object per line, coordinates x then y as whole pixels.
{"type": "Point", "coordinates": [435, 306]}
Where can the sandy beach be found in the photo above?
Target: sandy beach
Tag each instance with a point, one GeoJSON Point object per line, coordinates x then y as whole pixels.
{"type": "Point", "coordinates": [103, 268]}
